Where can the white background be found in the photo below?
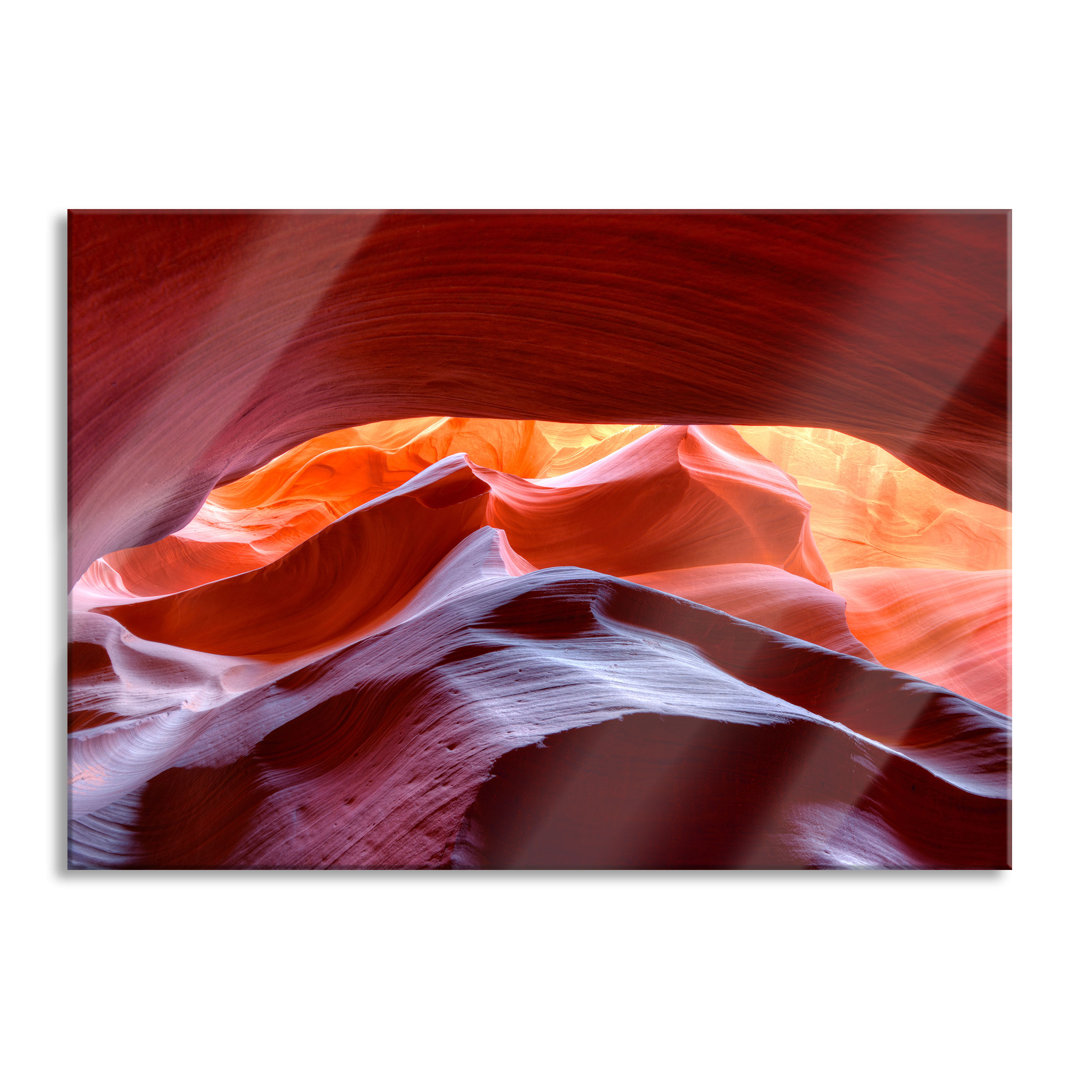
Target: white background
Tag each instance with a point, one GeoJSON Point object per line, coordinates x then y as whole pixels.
{"type": "Point", "coordinates": [557, 105]}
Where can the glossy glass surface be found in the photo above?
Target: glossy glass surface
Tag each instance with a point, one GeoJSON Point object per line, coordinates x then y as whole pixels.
{"type": "Point", "coordinates": [539, 540]}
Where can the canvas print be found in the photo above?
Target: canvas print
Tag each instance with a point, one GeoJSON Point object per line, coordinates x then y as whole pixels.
{"type": "Point", "coordinates": [539, 540]}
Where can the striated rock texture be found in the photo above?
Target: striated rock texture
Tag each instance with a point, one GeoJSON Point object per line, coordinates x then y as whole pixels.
{"type": "Point", "coordinates": [950, 627]}
{"type": "Point", "coordinates": [869, 509]}
{"type": "Point", "coordinates": [645, 640]}
{"type": "Point", "coordinates": [373, 755]}
{"type": "Point", "coordinates": [259, 331]}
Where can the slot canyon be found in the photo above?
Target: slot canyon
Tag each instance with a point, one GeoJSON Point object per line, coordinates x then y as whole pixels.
{"type": "Point", "coordinates": [539, 540]}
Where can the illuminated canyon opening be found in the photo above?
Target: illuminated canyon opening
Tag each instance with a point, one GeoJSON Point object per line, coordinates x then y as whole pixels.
{"type": "Point", "coordinates": [461, 642]}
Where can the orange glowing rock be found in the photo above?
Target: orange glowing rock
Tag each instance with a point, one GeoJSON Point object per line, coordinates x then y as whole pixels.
{"type": "Point", "coordinates": [260, 517]}
{"type": "Point", "coordinates": [670, 499]}
{"type": "Point", "coordinates": [923, 569]}
{"type": "Point", "coordinates": [563, 495]}
{"type": "Point", "coordinates": [949, 627]}
{"type": "Point", "coordinates": [870, 509]}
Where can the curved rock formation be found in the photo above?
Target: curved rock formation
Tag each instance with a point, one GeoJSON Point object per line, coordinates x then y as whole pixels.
{"type": "Point", "coordinates": [949, 627]}
{"type": "Point", "coordinates": [643, 793]}
{"type": "Point", "coordinates": [768, 596]}
{"type": "Point", "coordinates": [673, 498]}
{"type": "Point", "coordinates": [261, 517]}
{"type": "Point", "coordinates": [373, 755]}
{"type": "Point", "coordinates": [466, 642]}
{"type": "Point", "coordinates": [202, 345]}
{"type": "Point", "coordinates": [870, 509]}
{"type": "Point", "coordinates": [182, 703]}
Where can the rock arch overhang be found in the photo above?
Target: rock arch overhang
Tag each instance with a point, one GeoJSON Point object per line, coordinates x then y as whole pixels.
{"type": "Point", "coordinates": [202, 345]}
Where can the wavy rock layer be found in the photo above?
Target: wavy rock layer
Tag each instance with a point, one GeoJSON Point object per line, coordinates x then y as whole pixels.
{"type": "Point", "coordinates": [674, 498]}
{"type": "Point", "coordinates": [260, 517]}
{"type": "Point", "coordinates": [360, 701]}
{"type": "Point", "coordinates": [373, 755]}
{"type": "Point", "coordinates": [259, 331]}
{"type": "Point", "coordinates": [525, 642]}
{"type": "Point", "coordinates": [869, 509]}
{"type": "Point", "coordinates": [949, 627]}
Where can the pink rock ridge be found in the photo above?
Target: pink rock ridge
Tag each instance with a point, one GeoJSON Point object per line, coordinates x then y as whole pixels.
{"type": "Point", "coordinates": [381, 692]}
{"type": "Point", "coordinates": [376, 753]}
